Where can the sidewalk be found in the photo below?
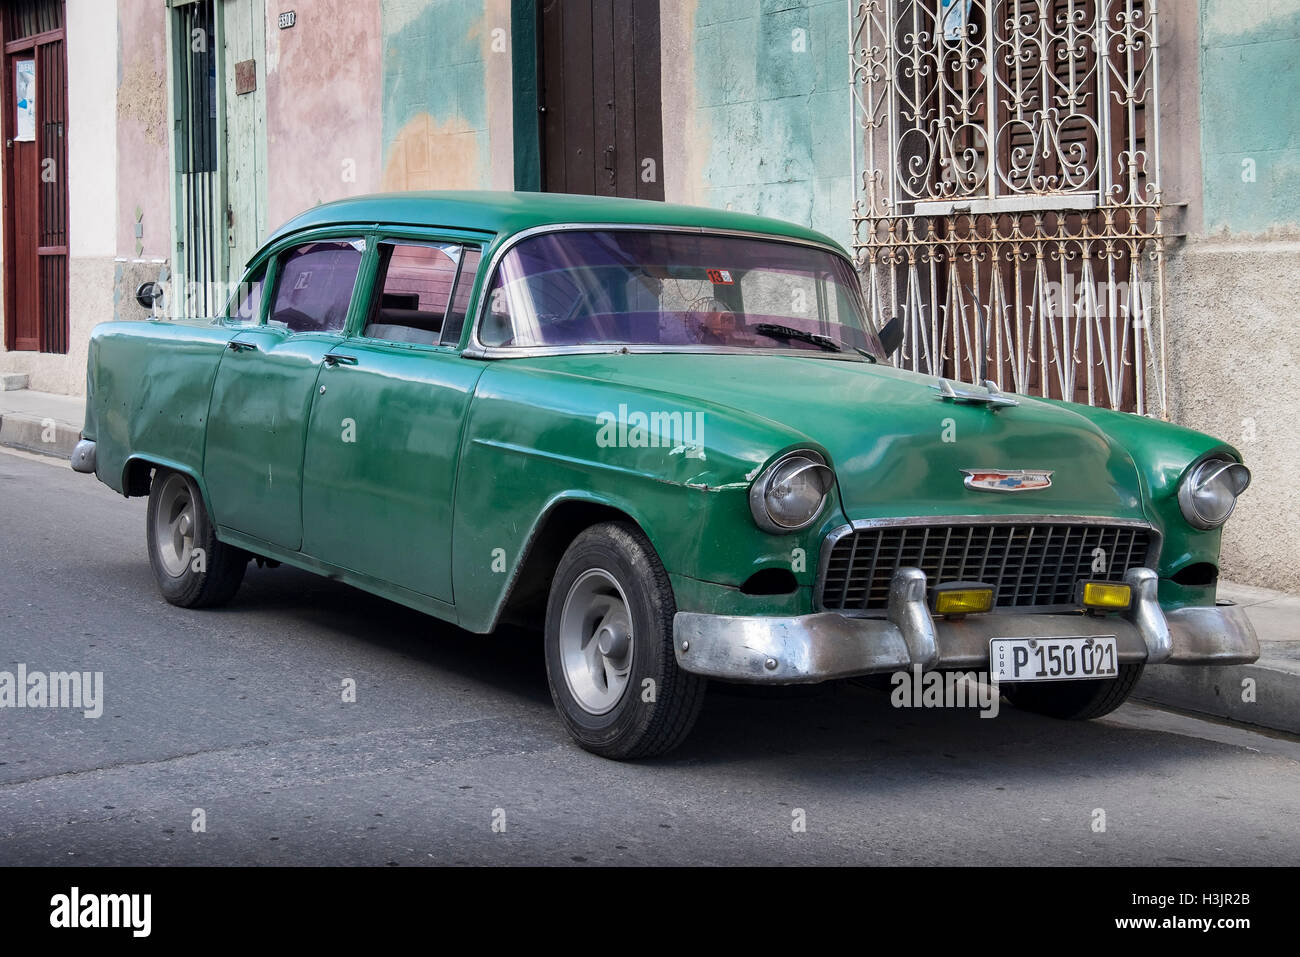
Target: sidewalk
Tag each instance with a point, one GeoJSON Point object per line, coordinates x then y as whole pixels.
{"type": "Point", "coordinates": [1220, 691]}
{"type": "Point", "coordinates": [51, 425]}
{"type": "Point", "coordinates": [41, 422]}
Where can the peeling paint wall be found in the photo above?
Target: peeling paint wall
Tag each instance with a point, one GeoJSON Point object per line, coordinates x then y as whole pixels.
{"type": "Point", "coordinates": [1234, 368]}
{"type": "Point", "coordinates": [446, 95]}
{"type": "Point", "coordinates": [322, 105]}
{"type": "Point", "coordinates": [765, 128]}
{"type": "Point", "coordinates": [1231, 152]}
{"type": "Point", "coordinates": [1250, 114]}
{"type": "Point", "coordinates": [144, 168]}
{"type": "Point", "coordinates": [144, 172]}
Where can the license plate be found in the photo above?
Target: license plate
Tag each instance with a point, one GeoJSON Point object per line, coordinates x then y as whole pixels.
{"type": "Point", "coordinates": [1052, 659]}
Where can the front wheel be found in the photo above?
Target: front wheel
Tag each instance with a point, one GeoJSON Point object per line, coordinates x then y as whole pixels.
{"type": "Point", "coordinates": [609, 647]}
{"type": "Point", "coordinates": [193, 569]}
{"type": "Point", "coordinates": [1076, 700]}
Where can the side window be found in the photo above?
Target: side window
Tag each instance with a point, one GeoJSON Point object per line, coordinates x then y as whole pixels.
{"type": "Point", "coordinates": [246, 301]}
{"type": "Point", "coordinates": [460, 298]}
{"type": "Point", "coordinates": [315, 285]}
{"type": "Point", "coordinates": [414, 285]}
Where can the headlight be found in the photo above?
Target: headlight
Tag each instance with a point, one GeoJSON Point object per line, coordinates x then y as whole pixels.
{"type": "Point", "coordinates": [791, 492]}
{"type": "Point", "coordinates": [1209, 492]}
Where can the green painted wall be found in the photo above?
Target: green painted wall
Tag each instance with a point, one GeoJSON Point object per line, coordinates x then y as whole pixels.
{"type": "Point", "coordinates": [772, 109]}
{"type": "Point", "coordinates": [435, 111]}
{"type": "Point", "coordinates": [1250, 114]}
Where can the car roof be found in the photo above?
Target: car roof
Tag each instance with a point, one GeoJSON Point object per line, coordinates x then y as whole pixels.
{"type": "Point", "coordinates": [506, 213]}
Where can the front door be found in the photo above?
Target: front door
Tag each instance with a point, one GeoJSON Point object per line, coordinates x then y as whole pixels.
{"type": "Point", "coordinates": [35, 89]}
{"type": "Point", "coordinates": [262, 397]}
{"type": "Point", "coordinates": [383, 445]}
{"type": "Point", "coordinates": [602, 129]}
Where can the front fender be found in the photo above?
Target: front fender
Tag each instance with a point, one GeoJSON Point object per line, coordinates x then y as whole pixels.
{"type": "Point", "coordinates": [1163, 453]}
{"type": "Point", "coordinates": [534, 440]}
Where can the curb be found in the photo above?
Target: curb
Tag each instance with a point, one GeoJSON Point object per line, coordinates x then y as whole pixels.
{"type": "Point", "coordinates": [1218, 691]}
{"type": "Point", "coordinates": [44, 436]}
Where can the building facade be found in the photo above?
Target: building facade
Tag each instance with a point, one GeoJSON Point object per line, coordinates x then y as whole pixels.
{"type": "Point", "coordinates": [1096, 200]}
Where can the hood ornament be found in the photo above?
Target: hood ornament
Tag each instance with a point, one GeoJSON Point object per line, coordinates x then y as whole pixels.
{"type": "Point", "coordinates": [1007, 480]}
{"type": "Point", "coordinates": [990, 396]}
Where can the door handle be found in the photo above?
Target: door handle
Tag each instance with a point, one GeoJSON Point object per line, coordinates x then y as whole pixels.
{"type": "Point", "coordinates": [234, 345]}
{"type": "Point", "coordinates": [336, 360]}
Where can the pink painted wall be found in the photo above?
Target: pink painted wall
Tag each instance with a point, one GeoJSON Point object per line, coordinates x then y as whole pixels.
{"type": "Point", "coordinates": [143, 171]}
{"type": "Point", "coordinates": [323, 92]}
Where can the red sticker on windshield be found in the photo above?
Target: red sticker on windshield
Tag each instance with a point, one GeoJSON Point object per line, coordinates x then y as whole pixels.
{"type": "Point", "coordinates": [720, 277]}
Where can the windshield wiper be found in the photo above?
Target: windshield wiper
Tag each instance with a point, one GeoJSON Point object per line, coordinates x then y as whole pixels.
{"type": "Point", "coordinates": [774, 331]}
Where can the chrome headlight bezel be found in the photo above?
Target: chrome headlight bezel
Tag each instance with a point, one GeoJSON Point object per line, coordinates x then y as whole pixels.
{"type": "Point", "coordinates": [1228, 473]}
{"type": "Point", "coordinates": [800, 462]}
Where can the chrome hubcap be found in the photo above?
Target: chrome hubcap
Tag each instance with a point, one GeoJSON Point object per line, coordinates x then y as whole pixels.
{"type": "Point", "coordinates": [173, 525]}
{"type": "Point", "coordinates": [596, 641]}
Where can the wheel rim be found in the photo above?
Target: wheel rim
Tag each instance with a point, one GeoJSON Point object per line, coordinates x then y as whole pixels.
{"type": "Point", "coordinates": [173, 525]}
{"type": "Point", "coordinates": [596, 641]}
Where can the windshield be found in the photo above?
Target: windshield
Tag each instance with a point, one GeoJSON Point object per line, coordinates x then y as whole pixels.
{"type": "Point", "coordinates": [675, 289]}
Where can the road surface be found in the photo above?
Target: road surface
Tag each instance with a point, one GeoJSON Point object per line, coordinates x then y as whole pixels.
{"type": "Point", "coordinates": [451, 753]}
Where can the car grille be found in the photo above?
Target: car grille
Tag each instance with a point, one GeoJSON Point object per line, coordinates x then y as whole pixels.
{"type": "Point", "coordinates": [1030, 564]}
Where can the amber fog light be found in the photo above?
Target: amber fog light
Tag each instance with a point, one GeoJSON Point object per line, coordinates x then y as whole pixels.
{"type": "Point", "coordinates": [1105, 595]}
{"type": "Point", "coordinates": [962, 599]}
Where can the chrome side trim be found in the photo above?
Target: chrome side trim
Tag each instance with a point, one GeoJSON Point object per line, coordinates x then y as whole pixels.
{"type": "Point", "coordinates": [620, 348]}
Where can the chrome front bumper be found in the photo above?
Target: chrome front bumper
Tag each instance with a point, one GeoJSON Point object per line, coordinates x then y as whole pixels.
{"type": "Point", "coordinates": [825, 645]}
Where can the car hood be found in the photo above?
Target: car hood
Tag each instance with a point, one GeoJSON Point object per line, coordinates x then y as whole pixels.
{"type": "Point", "coordinates": [897, 449]}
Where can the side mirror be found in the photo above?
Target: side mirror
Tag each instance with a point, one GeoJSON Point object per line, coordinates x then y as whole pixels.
{"type": "Point", "coordinates": [891, 337]}
{"type": "Point", "coordinates": [148, 293]}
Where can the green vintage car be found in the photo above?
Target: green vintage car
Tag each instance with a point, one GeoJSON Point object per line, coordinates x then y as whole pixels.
{"type": "Point", "coordinates": [669, 438]}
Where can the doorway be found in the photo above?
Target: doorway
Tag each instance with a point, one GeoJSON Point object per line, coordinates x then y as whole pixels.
{"type": "Point", "coordinates": [219, 149]}
{"type": "Point", "coordinates": [35, 95]}
{"type": "Point", "coordinates": [599, 98]}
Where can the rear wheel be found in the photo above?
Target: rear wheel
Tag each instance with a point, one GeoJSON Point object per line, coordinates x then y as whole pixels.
{"type": "Point", "coordinates": [609, 647]}
{"type": "Point", "coordinates": [192, 568]}
{"type": "Point", "coordinates": [1076, 700]}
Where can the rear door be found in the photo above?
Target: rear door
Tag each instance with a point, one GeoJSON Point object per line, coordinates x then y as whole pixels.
{"type": "Point", "coordinates": [262, 397]}
{"type": "Point", "coordinates": [382, 447]}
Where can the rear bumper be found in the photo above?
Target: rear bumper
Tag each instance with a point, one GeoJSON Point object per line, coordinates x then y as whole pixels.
{"type": "Point", "coordinates": [826, 645]}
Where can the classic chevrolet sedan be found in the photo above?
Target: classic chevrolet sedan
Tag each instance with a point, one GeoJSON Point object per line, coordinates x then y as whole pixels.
{"type": "Point", "coordinates": [671, 440]}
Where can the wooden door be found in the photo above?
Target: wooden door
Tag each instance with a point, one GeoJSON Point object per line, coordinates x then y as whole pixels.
{"type": "Point", "coordinates": [600, 98]}
{"type": "Point", "coordinates": [35, 176]}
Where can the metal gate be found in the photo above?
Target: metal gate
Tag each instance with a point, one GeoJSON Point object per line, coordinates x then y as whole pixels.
{"type": "Point", "coordinates": [1006, 156]}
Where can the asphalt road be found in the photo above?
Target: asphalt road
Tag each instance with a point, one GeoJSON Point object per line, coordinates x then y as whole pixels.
{"type": "Point", "coordinates": [239, 712]}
